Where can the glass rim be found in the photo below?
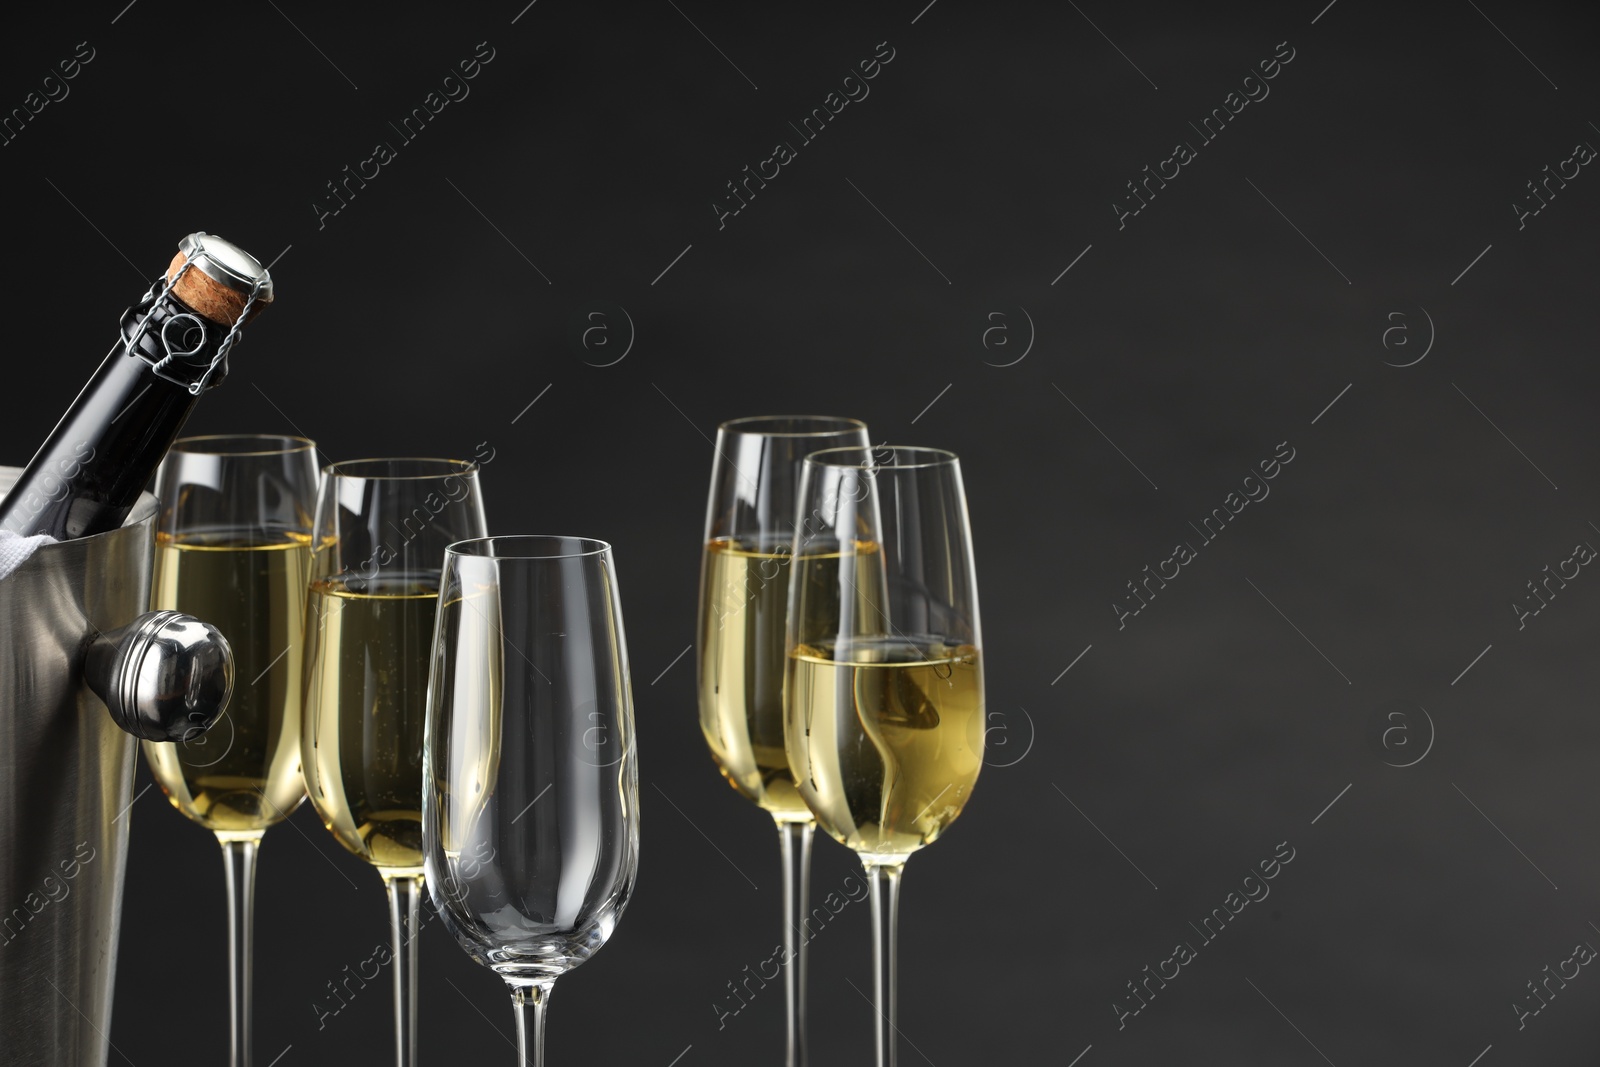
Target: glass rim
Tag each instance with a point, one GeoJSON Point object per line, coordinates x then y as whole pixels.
{"type": "Point", "coordinates": [938, 457]}
{"type": "Point", "coordinates": [292, 442]}
{"type": "Point", "coordinates": [450, 467]}
{"type": "Point", "coordinates": [840, 424]}
{"type": "Point", "coordinates": [576, 547]}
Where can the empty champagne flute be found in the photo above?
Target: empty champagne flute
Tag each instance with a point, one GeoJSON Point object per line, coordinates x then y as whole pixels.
{"type": "Point", "coordinates": [382, 526]}
{"type": "Point", "coordinates": [233, 547]}
{"type": "Point", "coordinates": [531, 797]}
{"type": "Point", "coordinates": [883, 706]}
{"type": "Point", "coordinates": [744, 594]}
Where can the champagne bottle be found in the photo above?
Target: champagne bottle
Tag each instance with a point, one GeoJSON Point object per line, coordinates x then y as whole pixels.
{"type": "Point", "coordinates": [173, 345]}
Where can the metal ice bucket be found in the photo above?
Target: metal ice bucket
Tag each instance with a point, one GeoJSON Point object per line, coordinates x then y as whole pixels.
{"type": "Point", "coordinates": [82, 672]}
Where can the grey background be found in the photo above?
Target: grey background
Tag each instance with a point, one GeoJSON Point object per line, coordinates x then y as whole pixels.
{"type": "Point", "coordinates": [1250, 294]}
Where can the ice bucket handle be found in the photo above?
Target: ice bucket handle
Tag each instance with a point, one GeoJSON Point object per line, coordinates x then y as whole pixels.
{"type": "Point", "coordinates": [165, 676]}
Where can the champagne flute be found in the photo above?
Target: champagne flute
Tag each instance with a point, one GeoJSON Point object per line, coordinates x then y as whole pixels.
{"type": "Point", "coordinates": [233, 547]}
{"type": "Point", "coordinates": [744, 593]}
{"type": "Point", "coordinates": [531, 796]}
{"type": "Point", "coordinates": [883, 685]}
{"type": "Point", "coordinates": [382, 526]}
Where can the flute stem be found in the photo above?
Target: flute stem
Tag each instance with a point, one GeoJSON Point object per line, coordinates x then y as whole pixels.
{"type": "Point", "coordinates": [405, 897]}
{"type": "Point", "coordinates": [795, 840]}
{"type": "Point", "coordinates": [884, 880]}
{"type": "Point", "coordinates": [529, 999]}
{"type": "Point", "coordinates": [239, 867]}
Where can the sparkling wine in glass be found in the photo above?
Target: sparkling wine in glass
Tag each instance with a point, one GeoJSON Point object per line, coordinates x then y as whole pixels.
{"type": "Point", "coordinates": [883, 706]}
{"type": "Point", "coordinates": [381, 529]}
{"type": "Point", "coordinates": [233, 547]}
{"type": "Point", "coordinates": [531, 797]}
{"type": "Point", "coordinates": [744, 593]}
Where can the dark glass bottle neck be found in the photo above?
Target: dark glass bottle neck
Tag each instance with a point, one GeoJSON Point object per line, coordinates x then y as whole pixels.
{"type": "Point", "coordinates": [90, 470]}
{"type": "Point", "coordinates": [162, 326]}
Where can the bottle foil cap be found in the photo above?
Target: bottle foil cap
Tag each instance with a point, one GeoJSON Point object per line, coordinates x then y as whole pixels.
{"type": "Point", "coordinates": [221, 278]}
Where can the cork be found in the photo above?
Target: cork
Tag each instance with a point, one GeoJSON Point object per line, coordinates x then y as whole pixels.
{"type": "Point", "coordinates": [208, 297]}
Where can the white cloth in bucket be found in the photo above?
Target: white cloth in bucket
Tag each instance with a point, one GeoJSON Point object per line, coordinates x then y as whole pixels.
{"type": "Point", "coordinates": [15, 550]}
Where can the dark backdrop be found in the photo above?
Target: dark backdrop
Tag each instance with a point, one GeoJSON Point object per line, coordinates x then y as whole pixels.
{"type": "Point", "coordinates": [907, 267]}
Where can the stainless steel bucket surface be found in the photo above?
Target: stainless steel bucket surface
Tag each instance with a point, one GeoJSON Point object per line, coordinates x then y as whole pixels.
{"type": "Point", "coordinates": [66, 770]}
